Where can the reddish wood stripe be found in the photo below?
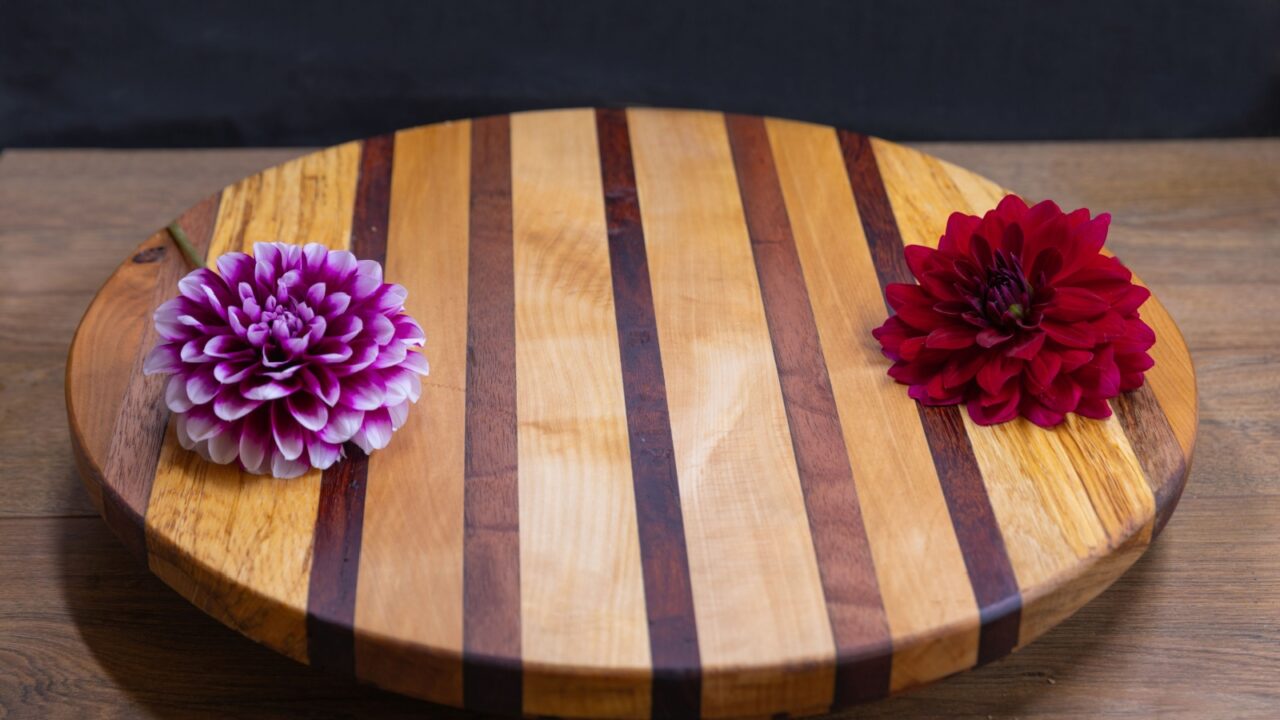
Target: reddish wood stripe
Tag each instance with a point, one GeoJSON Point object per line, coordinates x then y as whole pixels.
{"type": "Point", "coordinates": [673, 634]}
{"type": "Point", "coordinates": [1148, 430]}
{"type": "Point", "coordinates": [491, 547]}
{"type": "Point", "coordinates": [331, 594]}
{"type": "Point", "coordinates": [140, 425]}
{"type": "Point", "coordinates": [981, 542]}
{"type": "Point", "coordinates": [852, 593]}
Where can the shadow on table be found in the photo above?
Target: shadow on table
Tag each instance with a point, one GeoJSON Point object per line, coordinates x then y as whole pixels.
{"type": "Point", "coordinates": [174, 661]}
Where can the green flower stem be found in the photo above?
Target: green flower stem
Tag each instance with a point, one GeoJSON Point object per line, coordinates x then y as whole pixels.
{"type": "Point", "coordinates": [184, 244]}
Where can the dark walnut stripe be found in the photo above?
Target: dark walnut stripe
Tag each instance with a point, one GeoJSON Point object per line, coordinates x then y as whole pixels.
{"type": "Point", "coordinates": [1153, 441]}
{"type": "Point", "coordinates": [981, 542]}
{"type": "Point", "coordinates": [673, 634]}
{"type": "Point", "coordinates": [130, 466]}
{"type": "Point", "coordinates": [854, 605]}
{"type": "Point", "coordinates": [491, 546]}
{"type": "Point", "coordinates": [331, 596]}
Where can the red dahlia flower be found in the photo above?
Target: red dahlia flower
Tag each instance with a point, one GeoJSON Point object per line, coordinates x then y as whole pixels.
{"type": "Point", "coordinates": [1018, 313]}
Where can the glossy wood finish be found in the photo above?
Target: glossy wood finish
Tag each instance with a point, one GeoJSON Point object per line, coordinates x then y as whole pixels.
{"type": "Point", "coordinates": [765, 245]}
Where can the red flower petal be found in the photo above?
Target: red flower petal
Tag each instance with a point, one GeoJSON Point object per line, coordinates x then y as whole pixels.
{"type": "Point", "coordinates": [1072, 304]}
{"type": "Point", "coordinates": [951, 337]}
{"type": "Point", "coordinates": [1078, 335]}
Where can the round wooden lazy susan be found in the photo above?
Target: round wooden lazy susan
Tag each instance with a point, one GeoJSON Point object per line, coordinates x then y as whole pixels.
{"type": "Point", "coordinates": [657, 468]}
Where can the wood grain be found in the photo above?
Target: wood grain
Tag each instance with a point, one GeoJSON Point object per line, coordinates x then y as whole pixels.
{"type": "Point", "coordinates": [240, 546]}
{"type": "Point", "coordinates": [403, 643]}
{"type": "Point", "coordinates": [744, 510]}
{"type": "Point", "coordinates": [656, 482]}
{"type": "Point", "coordinates": [491, 680]}
{"type": "Point", "coordinates": [917, 557]}
{"type": "Point", "coordinates": [854, 606]}
{"type": "Point", "coordinates": [1085, 471]}
{"type": "Point", "coordinates": [1164, 640]}
{"type": "Point", "coordinates": [335, 566]}
{"type": "Point", "coordinates": [586, 607]}
{"type": "Point", "coordinates": [664, 556]}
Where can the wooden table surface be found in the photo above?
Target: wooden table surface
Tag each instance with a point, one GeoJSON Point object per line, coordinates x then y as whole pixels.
{"type": "Point", "coordinates": [1192, 631]}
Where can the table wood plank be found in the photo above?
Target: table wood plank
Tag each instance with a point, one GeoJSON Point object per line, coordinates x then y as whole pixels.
{"type": "Point", "coordinates": [1193, 628]}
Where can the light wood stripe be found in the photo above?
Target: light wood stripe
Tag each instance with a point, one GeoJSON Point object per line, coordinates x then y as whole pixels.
{"type": "Point", "coordinates": [1061, 495]}
{"type": "Point", "coordinates": [331, 598]}
{"type": "Point", "coordinates": [586, 607]}
{"type": "Point", "coordinates": [858, 622]}
{"type": "Point", "coordinates": [491, 633]}
{"type": "Point", "coordinates": [415, 508]}
{"type": "Point", "coordinates": [918, 562]}
{"type": "Point", "coordinates": [750, 553]}
{"type": "Point", "coordinates": [673, 633]}
{"type": "Point", "coordinates": [213, 531]}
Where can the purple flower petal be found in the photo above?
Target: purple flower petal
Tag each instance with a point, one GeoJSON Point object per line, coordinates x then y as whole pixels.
{"type": "Point", "coordinates": [367, 281]}
{"type": "Point", "coordinates": [233, 371]}
{"type": "Point", "coordinates": [255, 441]}
{"type": "Point", "coordinates": [408, 331]}
{"type": "Point", "coordinates": [322, 454]}
{"type": "Point", "coordinates": [279, 358]}
{"type": "Point", "coordinates": [202, 424]}
{"type": "Point", "coordinates": [319, 381]}
{"type": "Point", "coordinates": [391, 355]}
{"type": "Point", "coordinates": [175, 395]}
{"type": "Point", "coordinates": [346, 327]}
{"type": "Point", "coordinates": [167, 323]}
{"type": "Point", "coordinates": [235, 268]}
{"type": "Point", "coordinates": [343, 423]}
{"type": "Point", "coordinates": [335, 304]}
{"type": "Point", "coordinates": [381, 329]}
{"type": "Point", "coordinates": [224, 446]}
{"type": "Point", "coordinates": [416, 362]}
{"type": "Point", "coordinates": [363, 392]}
{"type": "Point", "coordinates": [267, 389]}
{"type": "Point", "coordinates": [376, 431]}
{"type": "Point", "coordinates": [231, 405]}
{"type": "Point", "coordinates": [226, 346]}
{"type": "Point", "coordinates": [283, 467]}
{"type": "Point", "coordinates": [339, 266]}
{"type": "Point", "coordinates": [308, 410]}
{"type": "Point", "coordinates": [164, 359]}
{"type": "Point", "coordinates": [286, 432]}
{"type": "Point", "coordinates": [390, 298]}
{"type": "Point", "coordinates": [201, 385]}
{"type": "Point", "coordinates": [399, 414]}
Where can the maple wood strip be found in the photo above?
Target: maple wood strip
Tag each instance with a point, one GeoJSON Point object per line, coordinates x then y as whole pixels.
{"type": "Point", "coordinates": [854, 605]}
{"type": "Point", "coordinates": [756, 585]}
{"type": "Point", "coordinates": [584, 609]}
{"type": "Point", "coordinates": [126, 426]}
{"type": "Point", "coordinates": [673, 633]}
{"type": "Point", "coordinates": [409, 597]}
{"type": "Point", "coordinates": [491, 632]}
{"type": "Point", "coordinates": [236, 545]}
{"type": "Point", "coordinates": [340, 516]}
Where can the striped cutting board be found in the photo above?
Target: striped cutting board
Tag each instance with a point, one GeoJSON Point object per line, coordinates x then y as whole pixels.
{"type": "Point", "coordinates": [657, 468]}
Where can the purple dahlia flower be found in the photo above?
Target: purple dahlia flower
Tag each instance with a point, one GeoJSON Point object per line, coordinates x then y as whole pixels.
{"type": "Point", "coordinates": [281, 357]}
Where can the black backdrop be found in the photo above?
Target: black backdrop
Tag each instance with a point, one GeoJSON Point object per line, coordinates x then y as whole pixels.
{"type": "Point", "coordinates": [166, 73]}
